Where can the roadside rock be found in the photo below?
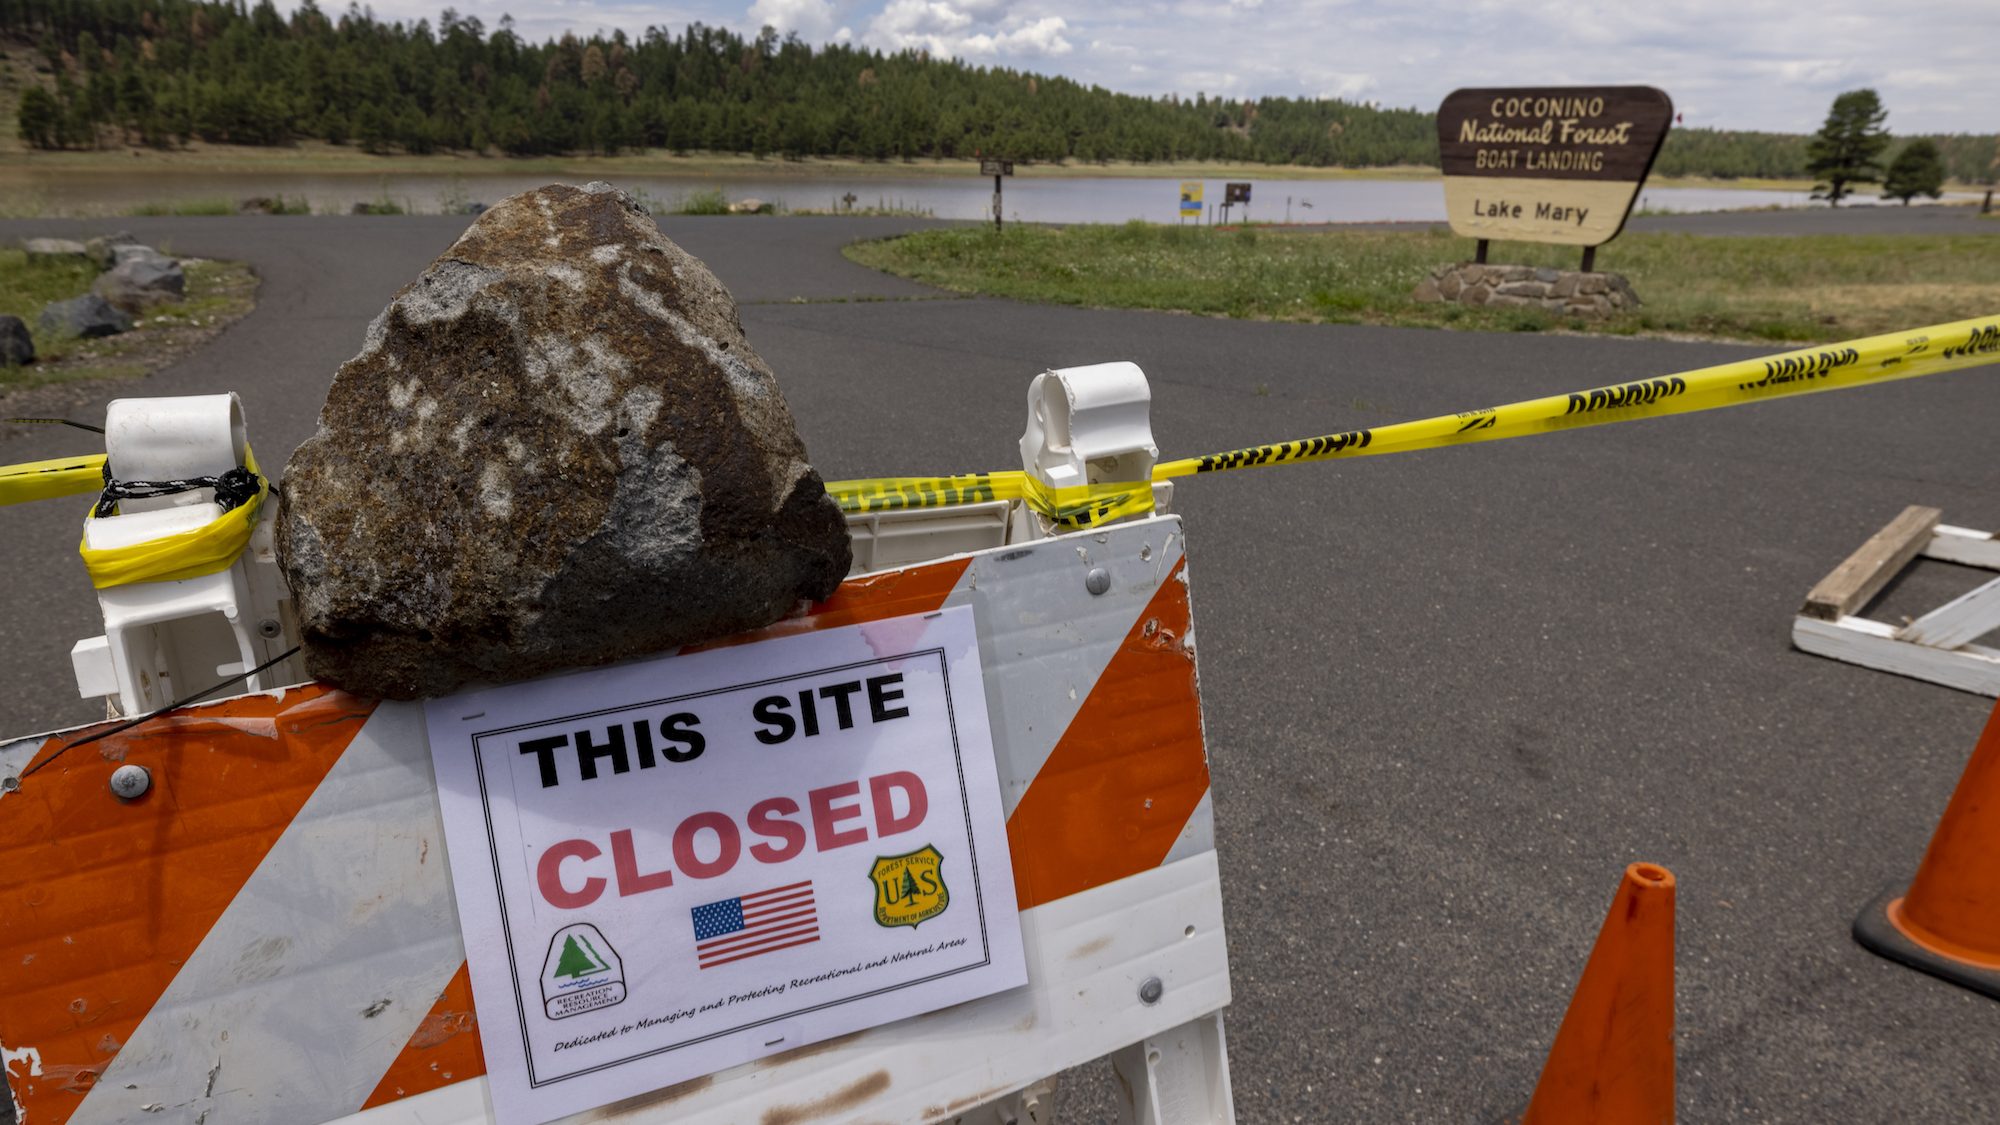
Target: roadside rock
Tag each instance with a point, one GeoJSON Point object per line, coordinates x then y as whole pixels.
{"type": "Point", "coordinates": [131, 252]}
{"type": "Point", "coordinates": [555, 449]}
{"type": "Point", "coordinates": [45, 249]}
{"type": "Point", "coordinates": [87, 316]}
{"type": "Point", "coordinates": [138, 283]}
{"type": "Point", "coordinates": [103, 250]}
{"type": "Point", "coordinates": [1561, 292]}
{"type": "Point", "coordinates": [16, 346]}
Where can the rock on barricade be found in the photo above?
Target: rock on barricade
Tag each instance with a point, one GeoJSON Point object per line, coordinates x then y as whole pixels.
{"type": "Point", "coordinates": [555, 449]}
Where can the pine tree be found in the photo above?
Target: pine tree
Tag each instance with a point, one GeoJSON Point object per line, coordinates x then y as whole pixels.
{"type": "Point", "coordinates": [40, 118]}
{"type": "Point", "coordinates": [1917, 170]}
{"type": "Point", "coordinates": [1848, 148]}
{"type": "Point", "coordinates": [909, 886]}
{"type": "Point", "coordinates": [573, 962]}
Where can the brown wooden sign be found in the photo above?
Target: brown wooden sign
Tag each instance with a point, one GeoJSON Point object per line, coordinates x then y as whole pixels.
{"type": "Point", "coordinates": [1548, 163]}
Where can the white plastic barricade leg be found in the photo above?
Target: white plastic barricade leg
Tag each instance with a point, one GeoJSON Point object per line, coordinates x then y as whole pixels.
{"type": "Point", "coordinates": [268, 933]}
{"type": "Point", "coordinates": [1178, 1077]}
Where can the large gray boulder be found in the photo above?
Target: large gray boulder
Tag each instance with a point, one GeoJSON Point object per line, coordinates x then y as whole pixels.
{"type": "Point", "coordinates": [555, 449]}
{"type": "Point", "coordinates": [87, 316]}
{"type": "Point", "coordinates": [16, 346]}
{"type": "Point", "coordinates": [141, 282]}
{"type": "Point", "coordinates": [51, 249]}
{"type": "Point", "coordinates": [104, 249]}
{"type": "Point", "coordinates": [121, 252]}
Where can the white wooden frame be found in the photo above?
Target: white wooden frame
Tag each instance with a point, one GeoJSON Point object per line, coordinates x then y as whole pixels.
{"type": "Point", "coordinates": [1936, 647]}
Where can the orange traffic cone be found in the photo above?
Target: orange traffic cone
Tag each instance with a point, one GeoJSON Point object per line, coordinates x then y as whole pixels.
{"type": "Point", "coordinates": [1613, 1058]}
{"type": "Point", "coordinates": [1948, 923]}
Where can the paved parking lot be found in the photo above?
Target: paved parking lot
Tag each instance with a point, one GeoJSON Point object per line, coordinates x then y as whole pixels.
{"type": "Point", "coordinates": [1449, 695]}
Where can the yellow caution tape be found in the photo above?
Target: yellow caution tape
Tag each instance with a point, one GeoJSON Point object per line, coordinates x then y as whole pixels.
{"type": "Point", "coordinates": [208, 549]}
{"type": "Point", "coordinates": [1877, 359]}
{"type": "Point", "coordinates": [46, 480]}
{"type": "Point", "coordinates": [1078, 506]}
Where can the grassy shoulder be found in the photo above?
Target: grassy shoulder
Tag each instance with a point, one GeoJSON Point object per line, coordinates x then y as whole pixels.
{"type": "Point", "coordinates": [218, 294]}
{"type": "Point", "coordinates": [1803, 289]}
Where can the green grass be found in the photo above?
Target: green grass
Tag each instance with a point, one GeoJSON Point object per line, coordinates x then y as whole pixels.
{"type": "Point", "coordinates": [882, 208]}
{"type": "Point", "coordinates": [217, 294]}
{"type": "Point", "coordinates": [1777, 289]}
{"type": "Point", "coordinates": [262, 205]}
{"type": "Point", "coordinates": [186, 207]}
{"type": "Point", "coordinates": [25, 287]}
{"type": "Point", "coordinates": [708, 202]}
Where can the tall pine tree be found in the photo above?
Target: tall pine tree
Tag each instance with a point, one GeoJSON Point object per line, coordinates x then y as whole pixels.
{"type": "Point", "coordinates": [1848, 148]}
{"type": "Point", "coordinates": [1917, 170]}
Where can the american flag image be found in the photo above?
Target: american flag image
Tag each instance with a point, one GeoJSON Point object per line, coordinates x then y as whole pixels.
{"type": "Point", "coordinates": [747, 925]}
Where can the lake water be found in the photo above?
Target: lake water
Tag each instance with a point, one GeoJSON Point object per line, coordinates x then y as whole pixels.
{"type": "Point", "coordinates": [1029, 199]}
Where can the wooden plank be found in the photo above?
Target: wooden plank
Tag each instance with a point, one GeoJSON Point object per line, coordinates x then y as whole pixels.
{"type": "Point", "coordinates": [1964, 546]}
{"type": "Point", "coordinates": [1964, 618]}
{"type": "Point", "coordinates": [1871, 644]}
{"type": "Point", "coordinates": [1869, 569]}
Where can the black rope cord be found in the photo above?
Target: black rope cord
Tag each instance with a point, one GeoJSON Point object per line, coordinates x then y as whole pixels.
{"type": "Point", "coordinates": [56, 422]}
{"type": "Point", "coordinates": [233, 489]}
{"type": "Point", "coordinates": [197, 697]}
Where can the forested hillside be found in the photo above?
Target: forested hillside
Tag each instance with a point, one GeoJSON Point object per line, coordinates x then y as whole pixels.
{"type": "Point", "coordinates": [162, 72]}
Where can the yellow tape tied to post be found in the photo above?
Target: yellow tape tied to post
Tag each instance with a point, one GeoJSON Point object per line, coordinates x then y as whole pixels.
{"type": "Point", "coordinates": [1876, 359]}
{"type": "Point", "coordinates": [1078, 506]}
{"type": "Point", "coordinates": [208, 549]}
{"type": "Point", "coordinates": [48, 480]}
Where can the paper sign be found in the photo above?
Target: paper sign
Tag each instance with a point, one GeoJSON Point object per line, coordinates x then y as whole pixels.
{"type": "Point", "coordinates": [670, 867]}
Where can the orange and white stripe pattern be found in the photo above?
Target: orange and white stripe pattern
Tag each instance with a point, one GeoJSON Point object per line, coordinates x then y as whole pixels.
{"type": "Point", "coordinates": [268, 934]}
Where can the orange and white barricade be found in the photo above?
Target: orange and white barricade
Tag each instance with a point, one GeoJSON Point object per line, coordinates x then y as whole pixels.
{"type": "Point", "coordinates": [267, 932]}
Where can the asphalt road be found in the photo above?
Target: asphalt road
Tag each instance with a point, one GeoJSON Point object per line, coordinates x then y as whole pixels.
{"type": "Point", "coordinates": [1449, 695]}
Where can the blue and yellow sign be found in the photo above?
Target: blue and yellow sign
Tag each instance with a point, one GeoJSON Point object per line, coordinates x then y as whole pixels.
{"type": "Point", "coordinates": [1190, 196]}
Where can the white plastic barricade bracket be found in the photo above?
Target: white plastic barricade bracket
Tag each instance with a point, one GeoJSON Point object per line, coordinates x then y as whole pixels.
{"type": "Point", "coordinates": [168, 640]}
{"type": "Point", "coordinates": [268, 931]}
{"type": "Point", "coordinates": [1088, 425]}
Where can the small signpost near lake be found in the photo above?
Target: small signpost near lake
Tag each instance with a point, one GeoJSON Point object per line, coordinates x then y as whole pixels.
{"type": "Point", "coordinates": [996, 169]}
{"type": "Point", "coordinates": [1191, 199]}
{"type": "Point", "coordinates": [1233, 194]}
{"type": "Point", "coordinates": [1557, 164]}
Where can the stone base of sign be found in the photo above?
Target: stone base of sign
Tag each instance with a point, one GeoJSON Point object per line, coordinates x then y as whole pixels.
{"type": "Point", "coordinates": [1563, 292]}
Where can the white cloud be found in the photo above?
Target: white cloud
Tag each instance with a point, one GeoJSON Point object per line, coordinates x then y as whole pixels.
{"type": "Point", "coordinates": [971, 29]}
{"type": "Point", "coordinates": [812, 19]}
{"type": "Point", "coordinates": [1347, 87]}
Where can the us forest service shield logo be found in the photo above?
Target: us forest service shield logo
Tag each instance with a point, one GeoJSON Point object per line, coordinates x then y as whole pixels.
{"type": "Point", "coordinates": [909, 888]}
{"type": "Point", "coordinates": [581, 973]}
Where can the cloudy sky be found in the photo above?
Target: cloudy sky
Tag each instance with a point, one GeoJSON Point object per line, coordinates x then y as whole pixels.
{"type": "Point", "coordinates": [1751, 64]}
